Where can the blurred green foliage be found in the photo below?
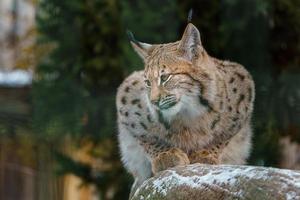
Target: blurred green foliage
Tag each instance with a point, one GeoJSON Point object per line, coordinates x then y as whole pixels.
{"type": "Point", "coordinates": [85, 64]}
{"type": "Point", "coordinates": [75, 90]}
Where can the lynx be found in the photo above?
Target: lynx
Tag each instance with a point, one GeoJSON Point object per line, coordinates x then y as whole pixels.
{"type": "Point", "coordinates": [184, 107]}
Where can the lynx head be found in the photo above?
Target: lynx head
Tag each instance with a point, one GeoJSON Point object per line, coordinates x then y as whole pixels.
{"type": "Point", "coordinates": [174, 72]}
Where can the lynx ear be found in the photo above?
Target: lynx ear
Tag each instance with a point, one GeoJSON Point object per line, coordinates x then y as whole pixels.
{"type": "Point", "coordinates": [143, 49]}
{"type": "Point", "coordinates": [190, 43]}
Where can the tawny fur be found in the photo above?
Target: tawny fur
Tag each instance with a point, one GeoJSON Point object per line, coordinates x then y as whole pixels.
{"type": "Point", "coordinates": [210, 113]}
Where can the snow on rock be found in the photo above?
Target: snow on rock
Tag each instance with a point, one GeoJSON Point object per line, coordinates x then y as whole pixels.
{"type": "Point", "coordinates": [15, 78]}
{"type": "Point", "coordinates": [207, 182]}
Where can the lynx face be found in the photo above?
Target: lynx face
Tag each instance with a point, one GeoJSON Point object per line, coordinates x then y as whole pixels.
{"type": "Point", "coordinates": [168, 74]}
{"type": "Point", "coordinates": [169, 91]}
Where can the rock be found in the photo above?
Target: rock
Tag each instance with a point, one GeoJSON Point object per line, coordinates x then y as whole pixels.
{"type": "Point", "coordinates": [213, 182]}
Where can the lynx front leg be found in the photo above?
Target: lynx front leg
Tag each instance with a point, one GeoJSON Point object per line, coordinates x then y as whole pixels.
{"type": "Point", "coordinates": [204, 156]}
{"type": "Point", "coordinates": [171, 158]}
{"type": "Point", "coordinates": [162, 154]}
{"type": "Point", "coordinates": [208, 155]}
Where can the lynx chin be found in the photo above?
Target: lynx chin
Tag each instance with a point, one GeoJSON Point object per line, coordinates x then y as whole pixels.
{"type": "Point", "coordinates": [184, 107]}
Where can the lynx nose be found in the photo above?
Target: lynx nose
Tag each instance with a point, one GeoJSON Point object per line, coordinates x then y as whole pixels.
{"type": "Point", "coordinates": [155, 95]}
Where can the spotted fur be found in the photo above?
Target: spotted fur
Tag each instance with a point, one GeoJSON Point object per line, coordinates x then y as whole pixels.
{"type": "Point", "coordinates": [184, 102]}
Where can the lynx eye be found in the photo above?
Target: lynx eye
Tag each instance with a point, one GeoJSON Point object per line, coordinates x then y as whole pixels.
{"type": "Point", "coordinates": [148, 83]}
{"type": "Point", "coordinates": [165, 77]}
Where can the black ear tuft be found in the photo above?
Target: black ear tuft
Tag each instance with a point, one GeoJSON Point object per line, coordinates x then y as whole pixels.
{"type": "Point", "coordinates": [143, 49]}
{"type": "Point", "coordinates": [131, 36]}
{"type": "Point", "coordinates": [190, 15]}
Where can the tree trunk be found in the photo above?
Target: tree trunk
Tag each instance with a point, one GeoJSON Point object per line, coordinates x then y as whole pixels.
{"type": "Point", "coordinates": [213, 182]}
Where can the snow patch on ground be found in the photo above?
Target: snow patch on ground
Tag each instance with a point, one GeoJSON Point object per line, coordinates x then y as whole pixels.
{"type": "Point", "coordinates": [224, 175]}
{"type": "Point", "coordinates": [291, 195]}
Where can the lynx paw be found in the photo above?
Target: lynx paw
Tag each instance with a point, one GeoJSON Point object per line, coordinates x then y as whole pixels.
{"type": "Point", "coordinates": [204, 156]}
{"type": "Point", "coordinates": [168, 159]}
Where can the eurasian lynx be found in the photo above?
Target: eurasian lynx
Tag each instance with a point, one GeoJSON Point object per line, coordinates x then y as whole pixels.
{"type": "Point", "coordinates": [184, 107]}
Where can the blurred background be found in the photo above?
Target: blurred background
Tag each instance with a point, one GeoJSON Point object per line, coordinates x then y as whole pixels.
{"type": "Point", "coordinates": [62, 61]}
